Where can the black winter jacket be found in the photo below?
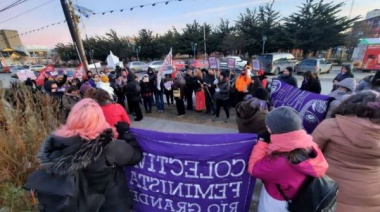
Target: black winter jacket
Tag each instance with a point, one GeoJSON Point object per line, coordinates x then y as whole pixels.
{"type": "Point", "coordinates": [290, 79]}
{"type": "Point", "coordinates": [100, 160]}
{"type": "Point", "coordinates": [311, 86]}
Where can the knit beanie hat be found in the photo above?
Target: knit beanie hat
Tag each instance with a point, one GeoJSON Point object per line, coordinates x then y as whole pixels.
{"type": "Point", "coordinates": [290, 69]}
{"type": "Point", "coordinates": [107, 87]}
{"type": "Point", "coordinates": [262, 94]}
{"type": "Point", "coordinates": [104, 78]}
{"type": "Point", "coordinates": [84, 88]}
{"type": "Point", "coordinates": [283, 119]}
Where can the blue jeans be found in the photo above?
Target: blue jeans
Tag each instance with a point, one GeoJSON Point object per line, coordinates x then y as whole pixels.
{"type": "Point", "coordinates": [159, 97]}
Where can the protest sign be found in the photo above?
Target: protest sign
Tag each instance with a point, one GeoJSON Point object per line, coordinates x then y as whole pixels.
{"type": "Point", "coordinates": [256, 65]}
{"type": "Point", "coordinates": [40, 80]}
{"type": "Point", "coordinates": [80, 72]}
{"type": "Point", "coordinates": [212, 63]}
{"type": "Point", "coordinates": [231, 62]}
{"type": "Point", "coordinates": [25, 74]}
{"type": "Point", "coordinates": [192, 172]}
{"type": "Point", "coordinates": [311, 106]}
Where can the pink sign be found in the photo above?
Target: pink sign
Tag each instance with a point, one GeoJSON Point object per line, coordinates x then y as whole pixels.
{"type": "Point", "coordinates": [24, 75]}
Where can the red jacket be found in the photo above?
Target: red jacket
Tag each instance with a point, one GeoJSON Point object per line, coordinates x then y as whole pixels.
{"type": "Point", "coordinates": [115, 113]}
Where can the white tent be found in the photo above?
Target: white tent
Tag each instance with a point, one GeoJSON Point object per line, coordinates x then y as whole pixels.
{"type": "Point", "coordinates": [113, 61]}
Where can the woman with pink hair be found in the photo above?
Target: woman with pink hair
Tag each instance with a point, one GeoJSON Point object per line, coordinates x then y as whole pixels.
{"type": "Point", "coordinates": [86, 144]}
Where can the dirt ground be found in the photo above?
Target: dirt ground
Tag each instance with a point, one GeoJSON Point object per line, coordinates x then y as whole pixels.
{"type": "Point", "coordinates": [194, 117]}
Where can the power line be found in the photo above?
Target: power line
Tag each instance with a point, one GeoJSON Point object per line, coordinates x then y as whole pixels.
{"type": "Point", "coordinates": [136, 6]}
{"type": "Point", "coordinates": [94, 13]}
{"type": "Point", "coordinates": [18, 2]}
{"type": "Point", "coordinates": [34, 30]}
{"type": "Point", "coordinates": [27, 11]}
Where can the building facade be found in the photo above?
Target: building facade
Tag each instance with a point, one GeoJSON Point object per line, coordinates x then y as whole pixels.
{"type": "Point", "coordinates": [10, 39]}
{"type": "Point", "coordinates": [368, 28]}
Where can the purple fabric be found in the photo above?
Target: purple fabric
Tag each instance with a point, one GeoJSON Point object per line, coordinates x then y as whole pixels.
{"type": "Point", "coordinates": [192, 172]}
{"type": "Point", "coordinates": [311, 106]}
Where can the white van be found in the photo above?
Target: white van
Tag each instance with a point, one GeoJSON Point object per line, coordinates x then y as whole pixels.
{"type": "Point", "coordinates": [274, 63]}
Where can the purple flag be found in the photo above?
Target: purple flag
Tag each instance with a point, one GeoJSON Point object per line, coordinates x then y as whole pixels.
{"type": "Point", "coordinates": [192, 172]}
{"type": "Point", "coordinates": [311, 106]}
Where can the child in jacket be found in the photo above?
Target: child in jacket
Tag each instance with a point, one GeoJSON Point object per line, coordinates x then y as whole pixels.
{"type": "Point", "coordinates": [273, 158]}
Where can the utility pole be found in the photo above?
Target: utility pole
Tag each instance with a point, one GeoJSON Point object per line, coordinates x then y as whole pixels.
{"type": "Point", "coordinates": [72, 20]}
{"type": "Point", "coordinates": [204, 39]}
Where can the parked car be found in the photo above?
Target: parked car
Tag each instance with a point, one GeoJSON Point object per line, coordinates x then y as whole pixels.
{"type": "Point", "coordinates": [137, 66]}
{"type": "Point", "coordinates": [155, 65]}
{"type": "Point", "coordinates": [179, 64]}
{"type": "Point", "coordinates": [15, 69]}
{"type": "Point", "coordinates": [238, 61]}
{"type": "Point", "coordinates": [318, 65]}
{"type": "Point", "coordinates": [36, 68]}
{"type": "Point", "coordinates": [274, 63]}
{"type": "Point", "coordinates": [197, 64]}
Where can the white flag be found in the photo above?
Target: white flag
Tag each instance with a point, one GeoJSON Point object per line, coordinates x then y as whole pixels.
{"type": "Point", "coordinates": [84, 11]}
{"type": "Point", "coordinates": [167, 62]}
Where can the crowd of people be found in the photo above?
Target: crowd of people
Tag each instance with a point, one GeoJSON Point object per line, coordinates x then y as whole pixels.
{"type": "Point", "coordinates": [345, 146]}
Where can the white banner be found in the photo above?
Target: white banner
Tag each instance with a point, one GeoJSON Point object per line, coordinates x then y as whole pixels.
{"type": "Point", "coordinates": [167, 62]}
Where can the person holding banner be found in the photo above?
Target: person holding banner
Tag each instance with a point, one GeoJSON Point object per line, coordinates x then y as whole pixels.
{"type": "Point", "coordinates": [287, 77]}
{"type": "Point", "coordinates": [311, 82]}
{"type": "Point", "coordinates": [200, 101]}
{"type": "Point", "coordinates": [275, 159]}
{"type": "Point", "coordinates": [85, 147]}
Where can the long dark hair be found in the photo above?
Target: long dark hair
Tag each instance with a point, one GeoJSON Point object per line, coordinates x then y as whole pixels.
{"type": "Point", "coordinates": [365, 104]}
{"type": "Point", "coordinates": [310, 76]}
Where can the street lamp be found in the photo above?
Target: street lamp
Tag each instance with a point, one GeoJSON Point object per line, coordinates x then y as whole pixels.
{"type": "Point", "coordinates": [91, 52]}
{"type": "Point", "coordinates": [137, 50]}
{"type": "Point", "coordinates": [264, 39]}
{"type": "Point", "coordinates": [193, 47]}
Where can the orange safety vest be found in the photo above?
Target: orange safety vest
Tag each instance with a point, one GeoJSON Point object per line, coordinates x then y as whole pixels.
{"type": "Point", "coordinates": [242, 83]}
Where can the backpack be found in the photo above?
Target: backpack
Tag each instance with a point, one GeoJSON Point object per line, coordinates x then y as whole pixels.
{"type": "Point", "coordinates": [315, 194]}
{"type": "Point", "coordinates": [62, 193]}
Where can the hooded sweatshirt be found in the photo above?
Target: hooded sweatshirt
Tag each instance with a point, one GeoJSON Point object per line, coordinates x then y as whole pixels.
{"type": "Point", "coordinates": [351, 146]}
{"type": "Point", "coordinates": [274, 170]}
{"type": "Point", "coordinates": [349, 83]}
{"type": "Point", "coordinates": [250, 119]}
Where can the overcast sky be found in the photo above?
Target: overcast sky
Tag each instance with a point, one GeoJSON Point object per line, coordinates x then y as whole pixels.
{"type": "Point", "coordinates": [159, 18]}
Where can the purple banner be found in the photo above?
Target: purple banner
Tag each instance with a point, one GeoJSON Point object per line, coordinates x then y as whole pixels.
{"type": "Point", "coordinates": [312, 107]}
{"type": "Point", "coordinates": [192, 172]}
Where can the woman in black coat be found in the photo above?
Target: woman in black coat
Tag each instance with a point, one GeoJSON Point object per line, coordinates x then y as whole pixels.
{"type": "Point", "coordinates": [311, 82]}
{"type": "Point", "coordinates": [345, 72]}
{"type": "Point", "coordinates": [86, 145]}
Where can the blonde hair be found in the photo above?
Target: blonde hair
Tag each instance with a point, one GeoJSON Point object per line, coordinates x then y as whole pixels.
{"type": "Point", "coordinates": [86, 119]}
{"type": "Point", "coordinates": [198, 73]}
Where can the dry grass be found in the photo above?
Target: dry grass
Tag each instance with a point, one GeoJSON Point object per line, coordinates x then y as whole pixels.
{"type": "Point", "coordinates": [26, 119]}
